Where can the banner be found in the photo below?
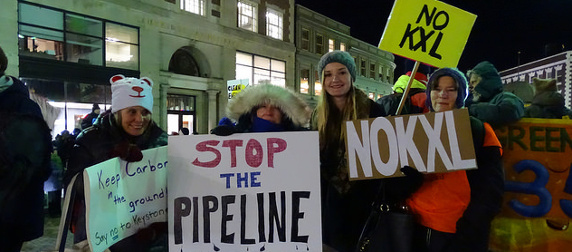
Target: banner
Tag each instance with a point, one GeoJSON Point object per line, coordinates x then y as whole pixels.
{"type": "Point", "coordinates": [431, 142]}
{"type": "Point", "coordinates": [427, 31]}
{"type": "Point", "coordinates": [235, 86]}
{"type": "Point", "coordinates": [538, 190]}
{"type": "Point", "coordinates": [123, 197]}
{"type": "Point", "coordinates": [245, 192]}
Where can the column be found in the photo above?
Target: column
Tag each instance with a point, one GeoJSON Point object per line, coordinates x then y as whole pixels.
{"type": "Point", "coordinates": [163, 106]}
{"type": "Point", "coordinates": [212, 121]}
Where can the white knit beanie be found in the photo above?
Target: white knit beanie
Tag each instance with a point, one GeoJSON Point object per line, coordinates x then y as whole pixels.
{"type": "Point", "coordinates": [128, 92]}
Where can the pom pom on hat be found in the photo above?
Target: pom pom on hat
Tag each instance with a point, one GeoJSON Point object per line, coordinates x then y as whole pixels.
{"type": "Point", "coordinates": [128, 92]}
{"type": "Point", "coordinates": [337, 56]}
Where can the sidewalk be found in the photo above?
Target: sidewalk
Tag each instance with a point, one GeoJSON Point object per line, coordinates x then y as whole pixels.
{"type": "Point", "coordinates": [48, 241]}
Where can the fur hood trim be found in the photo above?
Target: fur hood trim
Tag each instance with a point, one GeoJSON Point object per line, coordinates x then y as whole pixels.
{"type": "Point", "coordinates": [291, 105]}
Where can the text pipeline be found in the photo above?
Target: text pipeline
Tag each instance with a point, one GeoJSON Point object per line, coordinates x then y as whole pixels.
{"type": "Point", "coordinates": [205, 208]}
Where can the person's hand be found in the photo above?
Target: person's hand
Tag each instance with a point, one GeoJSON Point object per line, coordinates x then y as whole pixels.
{"type": "Point", "coordinates": [413, 177]}
{"type": "Point", "coordinates": [400, 188]}
{"type": "Point", "coordinates": [223, 130]}
{"type": "Point", "coordinates": [127, 151]}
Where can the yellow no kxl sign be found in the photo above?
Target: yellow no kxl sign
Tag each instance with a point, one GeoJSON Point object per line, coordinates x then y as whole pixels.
{"type": "Point", "coordinates": [427, 31]}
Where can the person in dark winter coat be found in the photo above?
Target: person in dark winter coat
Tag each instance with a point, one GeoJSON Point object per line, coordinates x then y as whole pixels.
{"type": "Point", "coordinates": [547, 101]}
{"type": "Point", "coordinates": [487, 100]}
{"type": "Point", "coordinates": [121, 132]}
{"type": "Point", "coordinates": [25, 148]}
{"type": "Point", "coordinates": [345, 205]}
{"type": "Point", "coordinates": [459, 219]}
{"type": "Point", "coordinates": [264, 108]}
{"type": "Point", "coordinates": [415, 104]}
{"type": "Point", "coordinates": [89, 119]}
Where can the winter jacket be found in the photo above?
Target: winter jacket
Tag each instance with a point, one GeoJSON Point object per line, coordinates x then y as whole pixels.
{"type": "Point", "coordinates": [88, 120]}
{"type": "Point", "coordinates": [344, 213]}
{"type": "Point", "coordinates": [414, 104]}
{"type": "Point", "coordinates": [242, 110]}
{"type": "Point", "coordinates": [495, 106]}
{"type": "Point", "coordinates": [23, 133]}
{"type": "Point", "coordinates": [103, 141]}
{"type": "Point", "coordinates": [548, 104]}
{"type": "Point", "coordinates": [486, 186]}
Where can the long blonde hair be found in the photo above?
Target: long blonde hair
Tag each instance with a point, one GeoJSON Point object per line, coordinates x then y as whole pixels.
{"type": "Point", "coordinates": [327, 125]}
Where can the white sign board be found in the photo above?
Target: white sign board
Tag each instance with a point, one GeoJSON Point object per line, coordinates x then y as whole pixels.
{"type": "Point", "coordinates": [123, 197]}
{"type": "Point", "coordinates": [245, 192]}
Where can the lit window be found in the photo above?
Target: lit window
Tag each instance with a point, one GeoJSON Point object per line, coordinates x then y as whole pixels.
{"type": "Point", "coordinates": [82, 45]}
{"type": "Point", "coordinates": [319, 44]}
{"type": "Point", "coordinates": [304, 78]}
{"type": "Point", "coordinates": [317, 84]}
{"type": "Point", "coordinates": [59, 35]}
{"type": "Point", "coordinates": [247, 16]}
{"type": "Point", "coordinates": [194, 6]}
{"type": "Point", "coordinates": [331, 45]}
{"type": "Point", "coordinates": [305, 39]}
{"type": "Point", "coordinates": [121, 46]}
{"type": "Point", "coordinates": [258, 69]}
{"type": "Point", "coordinates": [342, 46]}
{"type": "Point", "coordinates": [274, 24]}
{"type": "Point", "coordinates": [372, 71]}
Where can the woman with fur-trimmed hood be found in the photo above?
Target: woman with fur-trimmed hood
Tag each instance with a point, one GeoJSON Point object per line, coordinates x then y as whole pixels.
{"type": "Point", "coordinates": [265, 108]}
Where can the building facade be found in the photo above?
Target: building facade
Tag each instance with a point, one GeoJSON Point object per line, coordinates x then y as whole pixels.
{"type": "Point", "coordinates": [316, 35]}
{"type": "Point", "coordinates": [67, 50]}
{"type": "Point", "coordinates": [558, 66]}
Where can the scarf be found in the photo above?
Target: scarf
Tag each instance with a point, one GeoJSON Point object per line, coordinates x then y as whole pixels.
{"type": "Point", "coordinates": [261, 125]}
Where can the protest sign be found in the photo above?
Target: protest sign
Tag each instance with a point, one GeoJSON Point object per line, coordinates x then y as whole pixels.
{"type": "Point", "coordinates": [123, 197]}
{"type": "Point", "coordinates": [431, 142]}
{"type": "Point", "coordinates": [537, 206]}
{"type": "Point", "coordinates": [235, 86]}
{"type": "Point", "coordinates": [245, 192]}
{"type": "Point", "coordinates": [428, 31]}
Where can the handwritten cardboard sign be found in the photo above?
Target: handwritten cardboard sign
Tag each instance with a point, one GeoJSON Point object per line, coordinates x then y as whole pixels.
{"type": "Point", "coordinates": [537, 208]}
{"type": "Point", "coordinates": [245, 192]}
{"type": "Point", "coordinates": [432, 142]}
{"type": "Point", "coordinates": [123, 197]}
{"type": "Point", "coordinates": [427, 31]}
{"type": "Point", "coordinates": [235, 86]}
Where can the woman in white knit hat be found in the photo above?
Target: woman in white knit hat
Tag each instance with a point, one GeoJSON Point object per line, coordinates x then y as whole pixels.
{"type": "Point", "coordinates": [123, 131]}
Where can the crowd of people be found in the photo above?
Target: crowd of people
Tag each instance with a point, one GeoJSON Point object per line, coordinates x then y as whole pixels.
{"type": "Point", "coordinates": [459, 220]}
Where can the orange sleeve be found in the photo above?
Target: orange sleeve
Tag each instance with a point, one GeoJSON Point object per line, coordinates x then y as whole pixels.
{"type": "Point", "coordinates": [491, 138]}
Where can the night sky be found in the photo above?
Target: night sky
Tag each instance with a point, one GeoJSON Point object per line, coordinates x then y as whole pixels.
{"type": "Point", "coordinates": [536, 28]}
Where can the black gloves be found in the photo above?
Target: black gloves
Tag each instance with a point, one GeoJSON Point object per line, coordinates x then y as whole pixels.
{"type": "Point", "coordinates": [413, 176]}
{"type": "Point", "coordinates": [223, 130]}
{"type": "Point", "coordinates": [400, 188]}
{"type": "Point", "coordinates": [127, 151]}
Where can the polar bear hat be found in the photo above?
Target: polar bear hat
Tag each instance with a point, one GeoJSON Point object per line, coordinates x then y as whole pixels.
{"type": "Point", "coordinates": [128, 91]}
